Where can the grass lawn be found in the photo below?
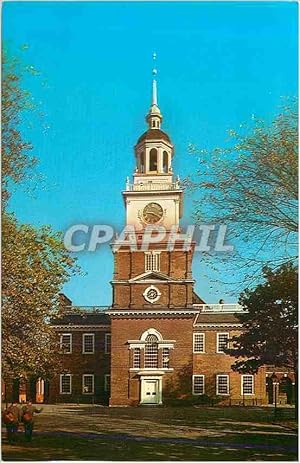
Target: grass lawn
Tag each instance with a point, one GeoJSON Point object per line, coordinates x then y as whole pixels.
{"type": "Point", "coordinates": [83, 432]}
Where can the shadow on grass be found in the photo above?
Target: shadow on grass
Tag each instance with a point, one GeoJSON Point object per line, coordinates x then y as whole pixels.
{"type": "Point", "coordinates": [93, 446]}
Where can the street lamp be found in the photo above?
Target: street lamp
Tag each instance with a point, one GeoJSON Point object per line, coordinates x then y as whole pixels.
{"type": "Point", "coordinates": [275, 385]}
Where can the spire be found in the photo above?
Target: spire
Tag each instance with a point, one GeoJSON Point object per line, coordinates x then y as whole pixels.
{"type": "Point", "coordinates": [154, 83]}
{"type": "Point", "coordinates": [154, 116]}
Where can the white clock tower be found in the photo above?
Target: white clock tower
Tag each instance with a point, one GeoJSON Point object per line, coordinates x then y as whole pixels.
{"type": "Point", "coordinates": [154, 197]}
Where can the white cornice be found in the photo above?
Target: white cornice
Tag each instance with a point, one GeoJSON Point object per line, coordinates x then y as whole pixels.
{"type": "Point", "coordinates": [217, 324]}
{"type": "Point", "coordinates": [152, 312]}
{"type": "Point", "coordinates": [148, 281]}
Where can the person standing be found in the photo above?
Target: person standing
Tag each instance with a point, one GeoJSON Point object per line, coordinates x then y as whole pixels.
{"type": "Point", "coordinates": [11, 418]}
{"type": "Point", "coordinates": [28, 412]}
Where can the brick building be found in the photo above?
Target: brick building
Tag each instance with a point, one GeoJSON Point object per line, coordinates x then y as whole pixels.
{"type": "Point", "coordinates": [158, 340]}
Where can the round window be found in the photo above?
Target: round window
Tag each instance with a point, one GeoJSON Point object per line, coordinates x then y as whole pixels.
{"type": "Point", "coordinates": [151, 294]}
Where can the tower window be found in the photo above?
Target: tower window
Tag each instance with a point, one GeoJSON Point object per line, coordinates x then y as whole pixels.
{"type": "Point", "coordinates": [153, 160]}
{"type": "Point", "coordinates": [142, 163]}
{"type": "Point", "coordinates": [151, 352]}
{"type": "Point", "coordinates": [153, 123]}
{"type": "Point", "coordinates": [152, 261]}
{"type": "Point", "coordinates": [165, 162]}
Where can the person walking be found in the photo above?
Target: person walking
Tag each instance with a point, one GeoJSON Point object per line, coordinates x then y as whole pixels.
{"type": "Point", "coordinates": [28, 412]}
{"type": "Point", "coordinates": [11, 418]}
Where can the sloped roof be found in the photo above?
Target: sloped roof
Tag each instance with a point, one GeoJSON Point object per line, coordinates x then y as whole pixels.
{"type": "Point", "coordinates": [154, 134]}
{"type": "Point", "coordinates": [217, 318]}
{"type": "Point", "coordinates": [84, 319]}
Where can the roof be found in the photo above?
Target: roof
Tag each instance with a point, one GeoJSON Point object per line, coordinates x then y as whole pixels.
{"type": "Point", "coordinates": [217, 318]}
{"type": "Point", "coordinates": [84, 319]}
{"type": "Point", "coordinates": [197, 299]}
{"type": "Point", "coordinates": [154, 134]}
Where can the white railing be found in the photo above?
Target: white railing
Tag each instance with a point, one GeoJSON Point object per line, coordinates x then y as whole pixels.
{"type": "Point", "coordinates": [221, 308]}
{"type": "Point", "coordinates": [87, 308]}
{"type": "Point", "coordinates": [149, 186]}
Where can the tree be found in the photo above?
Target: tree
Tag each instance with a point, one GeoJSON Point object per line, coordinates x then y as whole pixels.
{"type": "Point", "coordinates": [252, 187]}
{"type": "Point", "coordinates": [270, 323]}
{"type": "Point", "coordinates": [16, 158]}
{"type": "Point", "coordinates": [35, 264]}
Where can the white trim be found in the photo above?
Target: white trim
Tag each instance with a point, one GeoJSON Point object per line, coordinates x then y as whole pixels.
{"type": "Point", "coordinates": [242, 385]}
{"type": "Point", "coordinates": [198, 351]}
{"type": "Point", "coordinates": [93, 383]}
{"type": "Point", "coordinates": [193, 385]}
{"type": "Point", "coordinates": [106, 336]}
{"type": "Point", "coordinates": [149, 332]}
{"type": "Point", "coordinates": [83, 345]}
{"type": "Point", "coordinates": [217, 349]}
{"type": "Point", "coordinates": [61, 343]}
{"type": "Point", "coordinates": [151, 312]}
{"type": "Point", "coordinates": [217, 384]}
{"type": "Point", "coordinates": [81, 327]}
{"type": "Point", "coordinates": [144, 370]}
{"type": "Point", "coordinates": [218, 325]}
{"type": "Point", "coordinates": [60, 383]}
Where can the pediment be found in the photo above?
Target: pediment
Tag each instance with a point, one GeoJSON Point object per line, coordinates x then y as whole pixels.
{"type": "Point", "coordinates": [150, 276]}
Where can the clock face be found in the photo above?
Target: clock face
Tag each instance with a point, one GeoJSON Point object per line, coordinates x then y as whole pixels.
{"type": "Point", "coordinates": [152, 213]}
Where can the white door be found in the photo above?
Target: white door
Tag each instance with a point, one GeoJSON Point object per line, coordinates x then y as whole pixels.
{"type": "Point", "coordinates": [150, 391]}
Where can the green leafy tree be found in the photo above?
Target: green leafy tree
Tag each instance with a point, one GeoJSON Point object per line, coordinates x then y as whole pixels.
{"type": "Point", "coordinates": [252, 187]}
{"type": "Point", "coordinates": [35, 264]}
{"type": "Point", "coordinates": [17, 160]}
{"type": "Point", "coordinates": [270, 323]}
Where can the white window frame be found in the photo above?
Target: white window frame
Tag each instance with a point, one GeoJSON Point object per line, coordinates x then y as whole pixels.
{"type": "Point", "coordinates": [106, 382]}
{"type": "Point", "coordinates": [106, 350]}
{"type": "Point", "coordinates": [136, 355]}
{"type": "Point", "coordinates": [194, 343]}
{"type": "Point", "coordinates": [217, 385]}
{"type": "Point", "coordinates": [60, 384]}
{"type": "Point", "coordinates": [153, 259]}
{"type": "Point", "coordinates": [91, 375]}
{"type": "Point", "coordinates": [193, 385]}
{"type": "Point", "coordinates": [218, 335]}
{"type": "Point", "coordinates": [61, 343]}
{"type": "Point", "coordinates": [242, 385]}
{"type": "Point", "coordinates": [83, 343]}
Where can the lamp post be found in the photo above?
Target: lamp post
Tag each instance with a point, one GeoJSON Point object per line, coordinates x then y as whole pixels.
{"type": "Point", "coordinates": [275, 385]}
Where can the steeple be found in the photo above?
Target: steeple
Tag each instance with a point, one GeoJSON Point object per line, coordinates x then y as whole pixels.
{"type": "Point", "coordinates": [154, 116]}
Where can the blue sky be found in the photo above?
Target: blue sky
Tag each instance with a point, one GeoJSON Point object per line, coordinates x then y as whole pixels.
{"type": "Point", "coordinates": [218, 63]}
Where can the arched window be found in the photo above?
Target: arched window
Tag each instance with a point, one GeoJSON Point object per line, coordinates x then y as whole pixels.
{"type": "Point", "coordinates": [165, 162]}
{"type": "Point", "coordinates": [142, 163]}
{"type": "Point", "coordinates": [151, 351]}
{"type": "Point", "coordinates": [153, 160]}
{"type": "Point", "coordinates": [153, 123]}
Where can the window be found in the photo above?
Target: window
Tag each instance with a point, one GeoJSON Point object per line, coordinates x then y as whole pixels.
{"type": "Point", "coordinates": [198, 384]}
{"type": "Point", "coordinates": [222, 341]}
{"type": "Point", "coordinates": [153, 160]}
{"type": "Point", "coordinates": [165, 162]}
{"type": "Point", "coordinates": [107, 383]}
{"type": "Point", "coordinates": [88, 341]}
{"type": "Point", "coordinates": [222, 384]}
{"type": "Point", "coordinates": [166, 357]}
{"type": "Point", "coordinates": [199, 342]}
{"type": "Point", "coordinates": [142, 162]}
{"type": "Point", "coordinates": [66, 343]}
{"type": "Point", "coordinates": [247, 384]}
{"type": "Point", "coordinates": [65, 386]}
{"type": "Point", "coordinates": [136, 358]}
{"type": "Point", "coordinates": [87, 384]}
{"type": "Point", "coordinates": [107, 343]}
{"type": "Point", "coordinates": [152, 261]}
{"type": "Point", "coordinates": [151, 352]}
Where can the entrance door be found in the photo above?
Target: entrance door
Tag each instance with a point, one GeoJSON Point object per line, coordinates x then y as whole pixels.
{"type": "Point", "coordinates": [150, 391]}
